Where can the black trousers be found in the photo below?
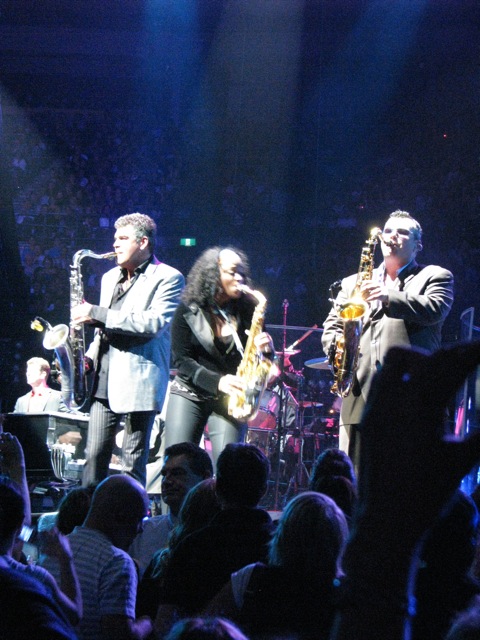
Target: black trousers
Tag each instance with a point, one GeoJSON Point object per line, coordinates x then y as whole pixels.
{"type": "Point", "coordinates": [186, 419]}
{"type": "Point", "coordinates": [102, 428]}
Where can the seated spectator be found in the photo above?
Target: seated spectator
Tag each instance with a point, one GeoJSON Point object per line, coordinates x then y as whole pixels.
{"type": "Point", "coordinates": [238, 535]}
{"type": "Point", "coordinates": [342, 491]}
{"type": "Point", "coordinates": [199, 507]}
{"type": "Point", "coordinates": [72, 511]}
{"type": "Point", "coordinates": [332, 462]}
{"type": "Point", "coordinates": [205, 629]}
{"type": "Point", "coordinates": [333, 475]}
{"type": "Point", "coordinates": [28, 609]}
{"type": "Point", "coordinates": [294, 593]}
{"type": "Point", "coordinates": [107, 574]}
{"type": "Point", "coordinates": [73, 508]}
{"type": "Point", "coordinates": [12, 517]}
{"type": "Point", "coordinates": [185, 465]}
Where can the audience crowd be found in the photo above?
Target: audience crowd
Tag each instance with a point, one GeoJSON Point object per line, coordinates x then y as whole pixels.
{"type": "Point", "coordinates": [75, 171]}
{"type": "Point", "coordinates": [401, 566]}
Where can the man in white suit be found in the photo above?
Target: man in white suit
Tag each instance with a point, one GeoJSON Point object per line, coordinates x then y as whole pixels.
{"type": "Point", "coordinates": [130, 353]}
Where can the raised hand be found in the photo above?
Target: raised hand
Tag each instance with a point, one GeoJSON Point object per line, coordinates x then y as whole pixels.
{"type": "Point", "coordinates": [409, 468]}
{"type": "Point", "coordinates": [55, 544]}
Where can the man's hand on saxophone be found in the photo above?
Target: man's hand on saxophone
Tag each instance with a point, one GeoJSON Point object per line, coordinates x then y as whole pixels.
{"type": "Point", "coordinates": [80, 314]}
{"type": "Point", "coordinates": [374, 291]}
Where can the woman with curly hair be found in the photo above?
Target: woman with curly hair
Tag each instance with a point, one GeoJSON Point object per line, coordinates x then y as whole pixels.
{"type": "Point", "coordinates": [208, 338]}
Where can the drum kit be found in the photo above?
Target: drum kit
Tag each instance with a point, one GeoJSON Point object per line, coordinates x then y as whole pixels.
{"type": "Point", "coordinates": [296, 421]}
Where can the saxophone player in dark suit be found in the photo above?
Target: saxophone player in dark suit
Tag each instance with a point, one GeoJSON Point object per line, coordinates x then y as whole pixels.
{"type": "Point", "coordinates": [407, 306]}
{"type": "Point", "coordinates": [208, 337]}
{"type": "Point", "coordinates": [131, 348]}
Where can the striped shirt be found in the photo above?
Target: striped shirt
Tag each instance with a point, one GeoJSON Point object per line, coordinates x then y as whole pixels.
{"type": "Point", "coordinates": [108, 580]}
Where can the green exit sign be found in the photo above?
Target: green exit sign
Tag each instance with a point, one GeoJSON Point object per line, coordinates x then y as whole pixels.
{"type": "Point", "coordinates": [188, 242]}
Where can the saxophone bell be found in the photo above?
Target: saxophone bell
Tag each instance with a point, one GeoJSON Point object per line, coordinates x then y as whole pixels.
{"type": "Point", "coordinates": [68, 342]}
{"type": "Point", "coordinates": [57, 339]}
{"type": "Point", "coordinates": [39, 324]}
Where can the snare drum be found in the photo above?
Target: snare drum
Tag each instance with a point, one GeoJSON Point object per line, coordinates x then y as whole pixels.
{"type": "Point", "coordinates": [269, 407]}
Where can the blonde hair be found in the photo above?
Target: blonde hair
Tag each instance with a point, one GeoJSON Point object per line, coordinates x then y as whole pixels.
{"type": "Point", "coordinates": [310, 537]}
{"type": "Point", "coordinates": [41, 363]}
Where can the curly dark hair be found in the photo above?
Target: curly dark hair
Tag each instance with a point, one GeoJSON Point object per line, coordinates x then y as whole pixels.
{"type": "Point", "coordinates": [203, 281]}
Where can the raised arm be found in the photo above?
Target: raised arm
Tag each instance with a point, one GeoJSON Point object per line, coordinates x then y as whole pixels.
{"type": "Point", "coordinates": [12, 463]}
{"type": "Point", "coordinates": [409, 470]}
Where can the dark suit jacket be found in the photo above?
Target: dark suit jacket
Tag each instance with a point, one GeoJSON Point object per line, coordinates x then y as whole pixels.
{"type": "Point", "coordinates": [418, 306]}
{"type": "Point", "coordinates": [198, 361]}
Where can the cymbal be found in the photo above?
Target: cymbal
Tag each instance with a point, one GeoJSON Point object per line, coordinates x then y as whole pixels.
{"type": "Point", "coordinates": [289, 352]}
{"type": "Point", "coordinates": [308, 403]}
{"type": "Point", "coordinates": [317, 363]}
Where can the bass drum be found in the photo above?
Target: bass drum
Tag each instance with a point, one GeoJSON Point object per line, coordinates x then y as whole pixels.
{"type": "Point", "coordinates": [267, 415]}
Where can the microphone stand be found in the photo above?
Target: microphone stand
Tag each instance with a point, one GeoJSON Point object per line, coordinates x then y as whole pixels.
{"type": "Point", "coordinates": [282, 414]}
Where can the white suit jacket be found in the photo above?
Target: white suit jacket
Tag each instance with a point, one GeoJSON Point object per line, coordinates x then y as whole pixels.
{"type": "Point", "coordinates": [138, 373]}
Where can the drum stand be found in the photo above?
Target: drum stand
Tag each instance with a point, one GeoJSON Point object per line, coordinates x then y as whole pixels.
{"type": "Point", "coordinates": [300, 477]}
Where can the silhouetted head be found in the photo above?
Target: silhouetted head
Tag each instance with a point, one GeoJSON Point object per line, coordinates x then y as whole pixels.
{"type": "Point", "coordinates": [310, 537]}
{"type": "Point", "coordinates": [242, 475]}
{"type": "Point", "coordinates": [205, 629]}
{"type": "Point", "coordinates": [332, 462]}
{"type": "Point", "coordinates": [119, 505]}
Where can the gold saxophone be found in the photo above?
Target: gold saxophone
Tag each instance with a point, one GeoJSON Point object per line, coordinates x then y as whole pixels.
{"type": "Point", "coordinates": [344, 351]}
{"type": "Point", "coordinates": [254, 368]}
{"type": "Point", "coordinates": [68, 341]}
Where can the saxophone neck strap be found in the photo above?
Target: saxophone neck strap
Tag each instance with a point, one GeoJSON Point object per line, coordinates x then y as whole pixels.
{"type": "Point", "coordinates": [238, 343]}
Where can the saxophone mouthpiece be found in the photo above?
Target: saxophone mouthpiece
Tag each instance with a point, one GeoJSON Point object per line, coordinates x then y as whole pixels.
{"type": "Point", "coordinates": [379, 234]}
{"type": "Point", "coordinates": [244, 289]}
